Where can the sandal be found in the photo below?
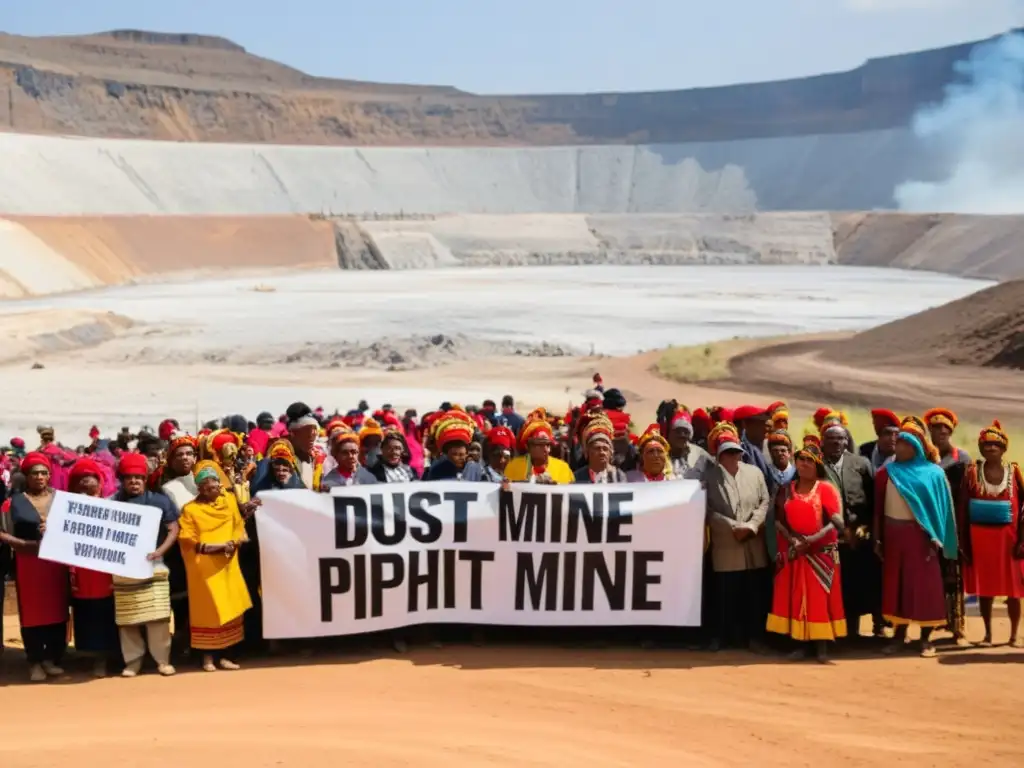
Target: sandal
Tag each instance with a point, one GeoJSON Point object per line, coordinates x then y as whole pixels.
{"type": "Point", "coordinates": [928, 652]}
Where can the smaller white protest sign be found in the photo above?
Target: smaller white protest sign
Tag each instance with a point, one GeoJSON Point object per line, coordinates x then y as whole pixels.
{"type": "Point", "coordinates": [101, 535]}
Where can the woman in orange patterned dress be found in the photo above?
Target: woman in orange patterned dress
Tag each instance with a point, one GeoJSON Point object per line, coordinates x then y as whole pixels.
{"type": "Point", "coordinates": [808, 598]}
{"type": "Point", "coordinates": [992, 531]}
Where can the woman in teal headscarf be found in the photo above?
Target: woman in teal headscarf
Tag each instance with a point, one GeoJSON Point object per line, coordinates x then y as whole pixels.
{"type": "Point", "coordinates": [914, 527]}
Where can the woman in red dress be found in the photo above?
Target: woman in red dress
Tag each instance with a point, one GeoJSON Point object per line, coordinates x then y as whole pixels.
{"type": "Point", "coordinates": [42, 584]}
{"type": "Point", "coordinates": [92, 592]}
{"type": "Point", "coordinates": [808, 600]}
{"type": "Point", "coordinates": [992, 531]}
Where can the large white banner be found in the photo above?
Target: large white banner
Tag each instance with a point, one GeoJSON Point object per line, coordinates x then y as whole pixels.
{"type": "Point", "coordinates": [385, 556]}
{"type": "Point", "coordinates": [100, 534]}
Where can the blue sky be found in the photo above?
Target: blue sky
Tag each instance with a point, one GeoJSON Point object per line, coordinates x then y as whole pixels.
{"type": "Point", "coordinates": [546, 46]}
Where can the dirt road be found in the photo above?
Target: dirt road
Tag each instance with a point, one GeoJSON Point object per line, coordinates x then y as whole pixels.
{"type": "Point", "coordinates": [464, 706]}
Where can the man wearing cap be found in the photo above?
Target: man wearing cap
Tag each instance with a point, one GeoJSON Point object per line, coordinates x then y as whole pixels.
{"type": "Point", "coordinates": [853, 476]}
{"type": "Point", "coordinates": [689, 460]}
{"type": "Point", "coordinates": [498, 446]}
{"type": "Point", "coordinates": [882, 450]}
{"type": "Point", "coordinates": [752, 421]}
{"type": "Point", "coordinates": [737, 508]}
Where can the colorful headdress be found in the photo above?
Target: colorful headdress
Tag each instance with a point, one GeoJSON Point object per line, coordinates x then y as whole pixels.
{"type": "Point", "coordinates": [813, 453]}
{"type": "Point", "coordinates": [723, 432]}
{"type": "Point", "coordinates": [994, 434]}
{"type": "Point", "coordinates": [812, 439]}
{"type": "Point", "coordinates": [207, 472]}
{"type": "Point", "coordinates": [884, 420]}
{"type": "Point", "coordinates": [620, 422]}
{"type": "Point", "coordinates": [180, 440]}
{"type": "Point", "coordinates": [282, 451]}
{"type": "Point", "coordinates": [941, 416]}
{"type": "Point", "coordinates": [598, 428]}
{"type": "Point", "coordinates": [720, 413]}
{"type": "Point", "coordinates": [820, 414]}
{"type": "Point", "coordinates": [651, 435]}
{"type": "Point", "coordinates": [918, 429]}
{"type": "Point", "coordinates": [536, 430]}
{"type": "Point", "coordinates": [834, 420]}
{"type": "Point", "coordinates": [454, 426]}
{"type": "Point", "coordinates": [780, 437]}
{"type": "Point", "coordinates": [370, 429]}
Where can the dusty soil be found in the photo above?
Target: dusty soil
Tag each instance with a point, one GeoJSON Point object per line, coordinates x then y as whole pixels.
{"type": "Point", "coordinates": [985, 329]}
{"type": "Point", "coordinates": [529, 705]}
{"type": "Point", "coordinates": [810, 371]}
{"type": "Point", "coordinates": [972, 246]}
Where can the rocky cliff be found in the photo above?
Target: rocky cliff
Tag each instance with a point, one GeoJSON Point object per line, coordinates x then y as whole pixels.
{"type": "Point", "coordinates": [131, 83]}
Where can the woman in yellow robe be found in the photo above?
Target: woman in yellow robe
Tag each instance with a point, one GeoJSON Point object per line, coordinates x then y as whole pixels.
{"type": "Point", "coordinates": [212, 530]}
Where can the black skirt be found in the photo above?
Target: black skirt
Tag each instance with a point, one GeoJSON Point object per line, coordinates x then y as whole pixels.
{"type": "Point", "coordinates": [95, 627]}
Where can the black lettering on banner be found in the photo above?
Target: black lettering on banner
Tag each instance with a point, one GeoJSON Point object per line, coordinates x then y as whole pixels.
{"type": "Point", "coordinates": [594, 564]}
{"type": "Point", "coordinates": [556, 500]}
{"type": "Point", "coordinates": [449, 578]}
{"type": "Point", "coordinates": [335, 579]}
{"type": "Point", "coordinates": [434, 527]}
{"type": "Point", "coordinates": [593, 522]}
{"type": "Point", "coordinates": [66, 524]}
{"type": "Point", "coordinates": [430, 577]}
{"type": "Point", "coordinates": [346, 509]}
{"type": "Point", "coordinates": [642, 579]}
{"type": "Point", "coordinates": [542, 582]}
{"type": "Point", "coordinates": [378, 582]}
{"type": "Point", "coordinates": [476, 574]}
{"type": "Point", "coordinates": [359, 566]}
{"type": "Point", "coordinates": [618, 517]}
{"type": "Point", "coordinates": [568, 581]}
{"type": "Point", "coordinates": [461, 500]}
{"type": "Point", "coordinates": [377, 519]}
{"type": "Point", "coordinates": [519, 525]}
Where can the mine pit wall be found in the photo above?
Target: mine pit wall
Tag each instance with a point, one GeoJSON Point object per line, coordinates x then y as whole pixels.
{"type": "Point", "coordinates": [41, 255]}
{"type": "Point", "coordinates": [42, 175]}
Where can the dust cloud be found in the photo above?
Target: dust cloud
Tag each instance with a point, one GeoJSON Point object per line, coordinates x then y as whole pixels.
{"type": "Point", "coordinates": [979, 131]}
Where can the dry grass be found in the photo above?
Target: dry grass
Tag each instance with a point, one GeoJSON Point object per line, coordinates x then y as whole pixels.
{"type": "Point", "coordinates": [707, 362]}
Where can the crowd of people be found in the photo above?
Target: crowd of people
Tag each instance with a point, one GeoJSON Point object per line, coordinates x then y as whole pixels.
{"type": "Point", "coordinates": [804, 538]}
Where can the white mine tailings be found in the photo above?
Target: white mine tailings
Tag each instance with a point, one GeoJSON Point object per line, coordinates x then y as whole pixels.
{"type": "Point", "coordinates": [76, 176]}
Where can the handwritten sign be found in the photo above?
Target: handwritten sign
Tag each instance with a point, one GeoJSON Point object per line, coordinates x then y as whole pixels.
{"type": "Point", "coordinates": [101, 535]}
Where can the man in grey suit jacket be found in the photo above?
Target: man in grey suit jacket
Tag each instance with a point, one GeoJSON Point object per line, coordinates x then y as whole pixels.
{"type": "Point", "coordinates": [737, 505]}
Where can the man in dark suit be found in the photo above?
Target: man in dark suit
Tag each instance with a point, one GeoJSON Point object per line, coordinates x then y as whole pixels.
{"type": "Point", "coordinates": [860, 567]}
{"type": "Point", "coordinates": [881, 450]}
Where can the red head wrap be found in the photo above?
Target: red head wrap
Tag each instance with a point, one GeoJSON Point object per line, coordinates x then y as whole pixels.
{"type": "Point", "coordinates": [820, 414]}
{"type": "Point", "coordinates": [166, 429]}
{"type": "Point", "coordinates": [883, 419]}
{"type": "Point", "coordinates": [501, 437]}
{"type": "Point", "coordinates": [84, 467]}
{"type": "Point", "coordinates": [94, 433]}
{"type": "Point", "coordinates": [132, 464]}
{"type": "Point", "coordinates": [33, 459]}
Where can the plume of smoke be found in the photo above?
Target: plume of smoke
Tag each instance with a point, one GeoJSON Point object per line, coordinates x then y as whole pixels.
{"type": "Point", "coordinates": [979, 129]}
